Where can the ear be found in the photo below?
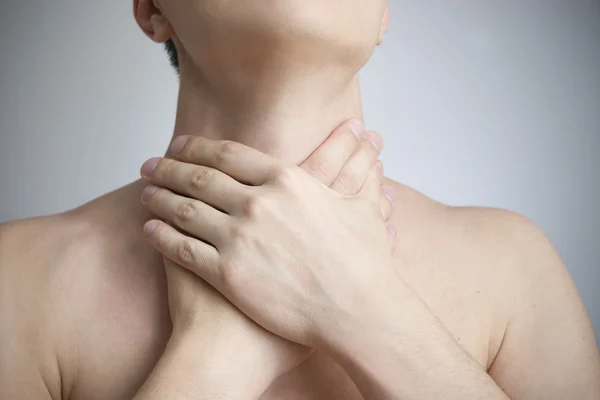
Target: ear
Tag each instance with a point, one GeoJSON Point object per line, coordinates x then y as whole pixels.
{"type": "Point", "coordinates": [152, 21]}
{"type": "Point", "coordinates": [385, 25]}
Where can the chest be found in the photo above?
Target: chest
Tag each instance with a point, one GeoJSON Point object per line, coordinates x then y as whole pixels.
{"type": "Point", "coordinates": [459, 289]}
{"type": "Point", "coordinates": [461, 304]}
{"type": "Point", "coordinates": [463, 311]}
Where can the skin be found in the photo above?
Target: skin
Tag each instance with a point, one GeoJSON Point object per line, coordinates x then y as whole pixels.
{"type": "Point", "coordinates": [189, 295]}
{"type": "Point", "coordinates": [31, 369]}
{"type": "Point", "coordinates": [306, 287]}
{"type": "Point", "coordinates": [86, 306]}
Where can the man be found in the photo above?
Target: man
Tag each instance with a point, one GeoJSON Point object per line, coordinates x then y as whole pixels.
{"type": "Point", "coordinates": [84, 299]}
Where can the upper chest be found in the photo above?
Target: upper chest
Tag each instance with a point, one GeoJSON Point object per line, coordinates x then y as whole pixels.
{"type": "Point", "coordinates": [456, 290]}
{"type": "Point", "coordinates": [124, 337]}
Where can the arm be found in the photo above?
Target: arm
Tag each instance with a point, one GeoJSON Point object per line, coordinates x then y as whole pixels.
{"type": "Point", "coordinates": [217, 369]}
{"type": "Point", "coordinates": [278, 258]}
{"type": "Point", "coordinates": [405, 353]}
{"type": "Point", "coordinates": [25, 372]}
{"type": "Point", "coordinates": [317, 293]}
{"type": "Point", "coordinates": [549, 350]}
{"type": "Point", "coordinates": [242, 359]}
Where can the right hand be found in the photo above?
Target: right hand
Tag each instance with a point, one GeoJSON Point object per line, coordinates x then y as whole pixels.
{"type": "Point", "coordinates": [342, 162]}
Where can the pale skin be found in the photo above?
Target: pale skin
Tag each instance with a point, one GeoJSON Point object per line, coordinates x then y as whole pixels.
{"type": "Point", "coordinates": [482, 302]}
{"type": "Point", "coordinates": [306, 287]}
{"type": "Point", "coordinates": [191, 300]}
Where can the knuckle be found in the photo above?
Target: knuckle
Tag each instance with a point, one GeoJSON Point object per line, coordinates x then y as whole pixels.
{"type": "Point", "coordinates": [163, 169]}
{"type": "Point", "coordinates": [194, 149]}
{"type": "Point", "coordinates": [251, 204]}
{"type": "Point", "coordinates": [322, 170]}
{"type": "Point", "coordinates": [159, 238]}
{"type": "Point", "coordinates": [369, 149]}
{"type": "Point", "coordinates": [226, 151]}
{"type": "Point", "coordinates": [347, 183]}
{"type": "Point", "coordinates": [255, 206]}
{"type": "Point", "coordinates": [186, 254]}
{"type": "Point", "coordinates": [238, 231]}
{"type": "Point", "coordinates": [283, 175]}
{"type": "Point", "coordinates": [186, 211]}
{"type": "Point", "coordinates": [231, 275]}
{"type": "Point", "coordinates": [241, 237]}
{"type": "Point", "coordinates": [193, 143]}
{"type": "Point", "coordinates": [240, 234]}
{"type": "Point", "coordinates": [201, 177]}
{"type": "Point", "coordinates": [189, 148]}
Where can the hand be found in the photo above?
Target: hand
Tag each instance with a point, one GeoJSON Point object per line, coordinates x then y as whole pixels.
{"type": "Point", "coordinates": [342, 162]}
{"type": "Point", "coordinates": [285, 249]}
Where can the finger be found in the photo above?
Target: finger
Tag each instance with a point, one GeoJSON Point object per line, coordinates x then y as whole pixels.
{"type": "Point", "coordinates": [372, 187]}
{"type": "Point", "coordinates": [386, 204]}
{"type": "Point", "coordinates": [243, 163]}
{"type": "Point", "coordinates": [392, 233]}
{"type": "Point", "coordinates": [196, 256]}
{"type": "Point", "coordinates": [326, 162]}
{"type": "Point", "coordinates": [354, 173]}
{"type": "Point", "coordinates": [202, 183]}
{"type": "Point", "coordinates": [192, 216]}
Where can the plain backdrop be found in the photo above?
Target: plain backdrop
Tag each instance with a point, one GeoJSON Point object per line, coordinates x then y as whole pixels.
{"type": "Point", "coordinates": [491, 103]}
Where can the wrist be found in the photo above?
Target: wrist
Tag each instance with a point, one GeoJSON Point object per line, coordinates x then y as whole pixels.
{"type": "Point", "coordinates": [221, 364]}
{"type": "Point", "coordinates": [370, 314]}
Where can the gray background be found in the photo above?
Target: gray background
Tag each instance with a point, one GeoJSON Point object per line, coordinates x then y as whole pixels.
{"type": "Point", "coordinates": [492, 103]}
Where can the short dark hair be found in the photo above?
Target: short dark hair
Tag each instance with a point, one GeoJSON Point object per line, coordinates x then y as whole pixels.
{"type": "Point", "coordinates": [172, 52]}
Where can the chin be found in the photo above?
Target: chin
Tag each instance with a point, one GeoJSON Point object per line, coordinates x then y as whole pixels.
{"type": "Point", "coordinates": [249, 31]}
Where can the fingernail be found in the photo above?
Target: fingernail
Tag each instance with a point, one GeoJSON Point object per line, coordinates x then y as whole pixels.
{"type": "Point", "coordinates": [392, 229]}
{"type": "Point", "coordinates": [376, 140]}
{"type": "Point", "coordinates": [148, 192]}
{"type": "Point", "coordinates": [390, 193]}
{"type": "Point", "coordinates": [379, 167]}
{"type": "Point", "coordinates": [150, 227]}
{"type": "Point", "coordinates": [178, 144]}
{"type": "Point", "coordinates": [149, 167]}
{"type": "Point", "coordinates": [357, 127]}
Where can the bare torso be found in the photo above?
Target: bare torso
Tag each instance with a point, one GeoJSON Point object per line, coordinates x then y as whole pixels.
{"type": "Point", "coordinates": [86, 297]}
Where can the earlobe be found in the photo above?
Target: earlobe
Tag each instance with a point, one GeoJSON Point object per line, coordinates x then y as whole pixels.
{"type": "Point", "coordinates": [152, 21]}
{"type": "Point", "coordinates": [385, 25]}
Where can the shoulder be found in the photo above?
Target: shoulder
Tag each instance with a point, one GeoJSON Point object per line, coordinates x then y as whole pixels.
{"type": "Point", "coordinates": [548, 332]}
{"type": "Point", "coordinates": [82, 305]}
{"type": "Point", "coordinates": [30, 282]}
{"type": "Point", "coordinates": [503, 247]}
{"type": "Point", "coordinates": [543, 327]}
{"type": "Point", "coordinates": [40, 250]}
{"type": "Point", "coordinates": [33, 252]}
{"type": "Point", "coordinates": [481, 229]}
{"type": "Point", "coordinates": [518, 250]}
{"type": "Point", "coordinates": [486, 232]}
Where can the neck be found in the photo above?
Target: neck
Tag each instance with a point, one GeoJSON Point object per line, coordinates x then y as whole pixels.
{"type": "Point", "coordinates": [285, 115]}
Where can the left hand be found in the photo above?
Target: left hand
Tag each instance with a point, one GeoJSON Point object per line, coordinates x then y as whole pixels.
{"type": "Point", "coordinates": [289, 252]}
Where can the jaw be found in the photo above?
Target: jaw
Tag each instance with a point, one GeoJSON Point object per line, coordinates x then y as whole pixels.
{"type": "Point", "coordinates": [270, 37]}
{"type": "Point", "coordinates": [277, 75]}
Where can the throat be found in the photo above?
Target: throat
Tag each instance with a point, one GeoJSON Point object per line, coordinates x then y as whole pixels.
{"type": "Point", "coordinates": [285, 118]}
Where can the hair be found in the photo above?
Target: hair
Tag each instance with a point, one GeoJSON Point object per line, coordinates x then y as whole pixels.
{"type": "Point", "coordinates": [172, 52]}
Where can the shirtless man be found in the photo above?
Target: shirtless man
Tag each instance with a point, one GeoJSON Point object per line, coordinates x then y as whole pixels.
{"type": "Point", "coordinates": [86, 308]}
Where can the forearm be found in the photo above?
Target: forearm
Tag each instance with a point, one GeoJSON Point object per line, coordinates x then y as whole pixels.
{"type": "Point", "coordinates": [402, 351]}
{"type": "Point", "coordinates": [207, 370]}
